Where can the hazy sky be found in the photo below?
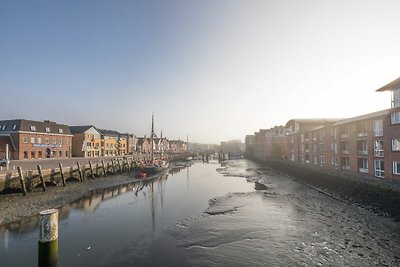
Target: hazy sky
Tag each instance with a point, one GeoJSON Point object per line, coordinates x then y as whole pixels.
{"type": "Point", "coordinates": [216, 70]}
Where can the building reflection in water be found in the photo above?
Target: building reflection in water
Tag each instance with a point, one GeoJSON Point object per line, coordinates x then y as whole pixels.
{"type": "Point", "coordinates": [92, 201]}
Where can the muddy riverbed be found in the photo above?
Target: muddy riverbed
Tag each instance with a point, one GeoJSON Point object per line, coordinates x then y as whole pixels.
{"type": "Point", "coordinates": [237, 214]}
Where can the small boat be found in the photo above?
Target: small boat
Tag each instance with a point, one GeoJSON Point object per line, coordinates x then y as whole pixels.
{"type": "Point", "coordinates": [156, 166]}
{"type": "Point", "coordinates": [141, 175]}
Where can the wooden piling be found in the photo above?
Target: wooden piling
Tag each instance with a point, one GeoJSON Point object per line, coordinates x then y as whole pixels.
{"type": "Point", "coordinates": [113, 165]}
{"type": "Point", "coordinates": [80, 172]}
{"type": "Point", "coordinates": [119, 165]}
{"type": "Point", "coordinates": [104, 168]}
{"type": "Point", "coordinates": [97, 169]}
{"type": "Point", "coordinates": [22, 181]}
{"type": "Point", "coordinates": [62, 174]}
{"type": "Point", "coordinates": [91, 169]}
{"type": "Point", "coordinates": [48, 238]}
{"type": "Point", "coordinates": [39, 168]}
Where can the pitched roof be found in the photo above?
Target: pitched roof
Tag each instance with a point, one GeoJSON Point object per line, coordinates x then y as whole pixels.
{"type": "Point", "coordinates": [33, 126]}
{"type": "Point", "coordinates": [363, 117]}
{"type": "Point", "coordinates": [7, 140]}
{"type": "Point", "coordinates": [108, 132]}
{"type": "Point", "coordinates": [80, 129]}
{"type": "Point", "coordinates": [390, 86]}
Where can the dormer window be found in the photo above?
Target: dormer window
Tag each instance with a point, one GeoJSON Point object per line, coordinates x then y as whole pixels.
{"type": "Point", "coordinates": [3, 128]}
{"type": "Point", "coordinates": [47, 129]}
{"type": "Point", "coordinates": [32, 127]}
{"type": "Point", "coordinates": [60, 131]}
{"type": "Point", "coordinates": [14, 127]}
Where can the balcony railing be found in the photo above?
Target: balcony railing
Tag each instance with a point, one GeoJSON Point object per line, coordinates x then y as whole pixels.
{"type": "Point", "coordinates": [378, 132]}
{"type": "Point", "coordinates": [378, 153]}
{"type": "Point", "coordinates": [363, 152]}
{"type": "Point", "coordinates": [345, 151]}
{"type": "Point", "coordinates": [346, 168]}
{"type": "Point", "coordinates": [361, 135]}
{"type": "Point", "coordinates": [363, 170]}
{"type": "Point", "coordinates": [344, 136]}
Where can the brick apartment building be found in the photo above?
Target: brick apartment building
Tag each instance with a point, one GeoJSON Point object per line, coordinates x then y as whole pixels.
{"type": "Point", "coordinates": [367, 145]}
{"type": "Point", "coordinates": [29, 139]}
{"type": "Point", "coordinates": [86, 141]}
{"type": "Point", "coordinates": [269, 143]}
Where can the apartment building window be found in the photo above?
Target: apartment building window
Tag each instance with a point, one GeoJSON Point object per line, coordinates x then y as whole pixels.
{"type": "Point", "coordinates": [60, 131]}
{"type": "Point", "coordinates": [25, 140]}
{"type": "Point", "coordinates": [66, 141]}
{"type": "Point", "coordinates": [322, 159]}
{"type": "Point", "coordinates": [395, 144]}
{"type": "Point", "coordinates": [47, 141]}
{"type": "Point", "coordinates": [378, 148]}
{"type": "Point", "coordinates": [378, 127]}
{"type": "Point", "coordinates": [363, 165]}
{"type": "Point", "coordinates": [54, 141]}
{"type": "Point", "coordinates": [60, 153]}
{"type": "Point", "coordinates": [14, 127]}
{"type": "Point", "coordinates": [25, 154]}
{"type": "Point", "coordinates": [396, 98]}
{"type": "Point", "coordinates": [379, 168]}
{"type": "Point", "coordinates": [40, 154]}
{"type": "Point", "coordinates": [47, 129]}
{"type": "Point", "coordinates": [39, 140]}
{"type": "Point", "coordinates": [32, 128]}
{"type": "Point", "coordinates": [32, 154]}
{"type": "Point", "coordinates": [67, 153]}
{"type": "Point", "coordinates": [395, 117]}
{"type": "Point", "coordinates": [315, 160]}
{"type": "Point", "coordinates": [321, 135]}
{"type": "Point", "coordinates": [307, 159]}
{"type": "Point", "coordinates": [302, 137]}
{"type": "Point", "coordinates": [396, 167]}
{"type": "Point", "coordinates": [60, 141]}
{"type": "Point", "coordinates": [345, 163]}
{"type": "Point", "coordinates": [32, 140]}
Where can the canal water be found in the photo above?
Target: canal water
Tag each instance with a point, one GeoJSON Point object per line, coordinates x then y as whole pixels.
{"type": "Point", "coordinates": [235, 214]}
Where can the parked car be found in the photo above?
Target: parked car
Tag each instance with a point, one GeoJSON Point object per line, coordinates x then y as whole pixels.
{"type": "Point", "coordinates": [3, 162]}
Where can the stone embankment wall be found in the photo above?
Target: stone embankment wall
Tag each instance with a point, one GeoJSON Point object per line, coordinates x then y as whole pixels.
{"type": "Point", "coordinates": [379, 195]}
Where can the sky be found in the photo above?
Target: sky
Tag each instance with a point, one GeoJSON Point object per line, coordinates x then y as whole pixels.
{"type": "Point", "coordinates": [212, 70]}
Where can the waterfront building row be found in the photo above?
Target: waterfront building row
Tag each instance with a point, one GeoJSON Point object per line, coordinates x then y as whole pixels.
{"type": "Point", "coordinates": [28, 139]}
{"type": "Point", "coordinates": [366, 145]}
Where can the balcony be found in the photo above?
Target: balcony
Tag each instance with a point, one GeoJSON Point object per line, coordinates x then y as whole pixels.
{"type": "Point", "coordinates": [378, 153]}
{"type": "Point", "coordinates": [362, 135]}
{"type": "Point", "coordinates": [344, 136]}
{"type": "Point", "coordinates": [315, 139]}
{"type": "Point", "coordinates": [363, 152]}
{"type": "Point", "coordinates": [346, 168]}
{"type": "Point", "coordinates": [363, 170]}
{"type": "Point", "coordinates": [378, 132]}
{"type": "Point", "coordinates": [307, 150]}
{"type": "Point", "coordinates": [345, 152]}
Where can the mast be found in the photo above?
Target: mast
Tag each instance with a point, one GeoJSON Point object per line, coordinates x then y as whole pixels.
{"type": "Point", "coordinates": [152, 137]}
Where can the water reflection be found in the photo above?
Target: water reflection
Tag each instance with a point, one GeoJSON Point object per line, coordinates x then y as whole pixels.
{"type": "Point", "coordinates": [91, 201]}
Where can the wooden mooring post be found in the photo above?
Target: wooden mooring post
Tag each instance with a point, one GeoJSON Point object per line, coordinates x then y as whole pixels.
{"type": "Point", "coordinates": [80, 172]}
{"type": "Point", "coordinates": [48, 238]}
{"type": "Point", "coordinates": [22, 181]}
{"type": "Point", "coordinates": [62, 174]}
{"type": "Point", "coordinates": [113, 165]}
{"type": "Point", "coordinates": [104, 168]}
{"type": "Point", "coordinates": [97, 169]}
{"type": "Point", "coordinates": [39, 168]}
{"type": "Point", "coordinates": [91, 169]}
{"type": "Point", "coordinates": [119, 165]}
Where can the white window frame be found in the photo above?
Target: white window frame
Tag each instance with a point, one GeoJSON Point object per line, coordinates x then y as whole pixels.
{"type": "Point", "coordinates": [60, 131]}
{"type": "Point", "coordinates": [379, 167]}
{"type": "Point", "coordinates": [378, 127]}
{"type": "Point", "coordinates": [395, 117]}
{"type": "Point", "coordinates": [32, 139]}
{"type": "Point", "coordinates": [47, 129]}
{"type": "Point", "coordinates": [396, 167]}
{"type": "Point", "coordinates": [378, 152]}
{"type": "Point", "coordinates": [32, 128]}
{"type": "Point", "coordinates": [395, 144]}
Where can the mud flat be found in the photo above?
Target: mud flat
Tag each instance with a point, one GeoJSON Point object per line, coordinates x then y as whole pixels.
{"type": "Point", "coordinates": [379, 195]}
{"type": "Point", "coordinates": [16, 206]}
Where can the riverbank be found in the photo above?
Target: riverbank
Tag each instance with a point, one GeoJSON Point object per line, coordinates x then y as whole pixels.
{"type": "Point", "coordinates": [380, 196]}
{"type": "Point", "coordinates": [16, 206]}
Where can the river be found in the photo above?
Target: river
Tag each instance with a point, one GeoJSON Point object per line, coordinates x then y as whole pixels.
{"type": "Point", "coordinates": [237, 214]}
